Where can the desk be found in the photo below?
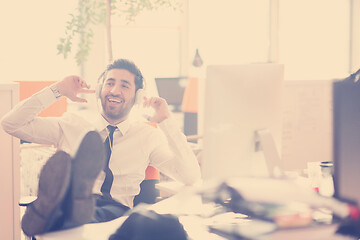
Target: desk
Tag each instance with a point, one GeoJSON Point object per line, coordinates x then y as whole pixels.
{"type": "Point", "coordinates": [194, 225]}
{"type": "Point", "coordinates": [191, 211]}
{"type": "Point", "coordinates": [175, 205]}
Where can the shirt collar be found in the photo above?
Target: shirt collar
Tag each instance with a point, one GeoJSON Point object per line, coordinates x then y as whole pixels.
{"type": "Point", "coordinates": [101, 125]}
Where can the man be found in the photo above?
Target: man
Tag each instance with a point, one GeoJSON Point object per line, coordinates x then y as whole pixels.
{"type": "Point", "coordinates": [133, 147]}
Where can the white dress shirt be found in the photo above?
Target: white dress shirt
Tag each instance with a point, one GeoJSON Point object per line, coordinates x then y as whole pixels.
{"type": "Point", "coordinates": [136, 145]}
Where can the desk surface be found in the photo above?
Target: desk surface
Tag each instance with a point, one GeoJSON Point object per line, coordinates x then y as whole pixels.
{"type": "Point", "coordinates": [191, 210]}
{"type": "Point", "coordinates": [195, 227]}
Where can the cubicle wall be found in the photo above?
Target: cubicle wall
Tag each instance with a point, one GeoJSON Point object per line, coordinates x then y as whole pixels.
{"type": "Point", "coordinates": [9, 169]}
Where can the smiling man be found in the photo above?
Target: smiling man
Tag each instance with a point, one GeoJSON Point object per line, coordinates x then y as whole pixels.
{"type": "Point", "coordinates": [113, 181]}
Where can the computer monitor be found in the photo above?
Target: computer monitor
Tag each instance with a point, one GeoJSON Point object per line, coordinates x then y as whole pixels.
{"type": "Point", "coordinates": [346, 121]}
{"type": "Point", "coordinates": [172, 90]}
{"type": "Point", "coordinates": [242, 105]}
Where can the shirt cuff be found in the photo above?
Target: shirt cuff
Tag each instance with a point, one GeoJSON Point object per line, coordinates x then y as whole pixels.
{"type": "Point", "coordinates": [46, 97]}
{"type": "Point", "coordinates": [169, 125]}
{"type": "Point", "coordinates": [55, 90]}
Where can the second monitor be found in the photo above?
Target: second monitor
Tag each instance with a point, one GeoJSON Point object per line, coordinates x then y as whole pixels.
{"type": "Point", "coordinates": [242, 108]}
{"type": "Point", "coordinates": [172, 90]}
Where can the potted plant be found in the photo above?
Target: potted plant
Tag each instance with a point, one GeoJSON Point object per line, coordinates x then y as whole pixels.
{"type": "Point", "coordinates": [93, 12]}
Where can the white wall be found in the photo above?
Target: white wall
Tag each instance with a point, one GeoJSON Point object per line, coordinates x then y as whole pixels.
{"type": "Point", "coordinates": [30, 31]}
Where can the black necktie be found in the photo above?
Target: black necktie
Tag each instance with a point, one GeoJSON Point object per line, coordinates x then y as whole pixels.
{"type": "Point", "coordinates": [106, 186]}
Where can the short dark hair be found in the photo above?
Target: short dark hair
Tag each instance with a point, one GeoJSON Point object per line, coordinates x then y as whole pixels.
{"type": "Point", "coordinates": [127, 65]}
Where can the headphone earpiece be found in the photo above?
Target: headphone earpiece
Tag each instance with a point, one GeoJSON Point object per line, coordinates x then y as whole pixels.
{"type": "Point", "coordinates": [139, 96]}
{"type": "Point", "coordinates": [99, 84]}
{"type": "Point", "coordinates": [98, 90]}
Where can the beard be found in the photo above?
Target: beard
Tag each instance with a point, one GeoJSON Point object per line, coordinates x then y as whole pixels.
{"type": "Point", "coordinates": [116, 112]}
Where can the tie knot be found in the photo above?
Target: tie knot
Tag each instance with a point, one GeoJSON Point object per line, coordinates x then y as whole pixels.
{"type": "Point", "coordinates": [111, 129]}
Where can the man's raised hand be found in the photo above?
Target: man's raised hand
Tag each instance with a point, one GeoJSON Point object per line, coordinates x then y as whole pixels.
{"type": "Point", "coordinates": [160, 106]}
{"type": "Point", "coordinates": [71, 86]}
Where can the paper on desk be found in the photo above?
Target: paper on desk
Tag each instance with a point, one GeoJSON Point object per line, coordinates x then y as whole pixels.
{"type": "Point", "coordinates": [183, 203]}
{"type": "Point", "coordinates": [323, 232]}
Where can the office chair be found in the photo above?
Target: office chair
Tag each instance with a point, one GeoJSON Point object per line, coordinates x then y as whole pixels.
{"type": "Point", "coordinates": [148, 192]}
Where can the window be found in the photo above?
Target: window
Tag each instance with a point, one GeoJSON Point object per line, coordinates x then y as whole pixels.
{"type": "Point", "coordinates": [229, 31]}
{"type": "Point", "coordinates": [314, 38]}
{"type": "Point", "coordinates": [152, 42]}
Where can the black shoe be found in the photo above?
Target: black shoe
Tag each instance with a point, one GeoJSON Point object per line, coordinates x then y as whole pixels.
{"type": "Point", "coordinates": [86, 166]}
{"type": "Point", "coordinates": [41, 215]}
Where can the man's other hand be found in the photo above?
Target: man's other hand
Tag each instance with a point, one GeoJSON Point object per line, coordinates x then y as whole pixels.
{"type": "Point", "coordinates": [160, 106]}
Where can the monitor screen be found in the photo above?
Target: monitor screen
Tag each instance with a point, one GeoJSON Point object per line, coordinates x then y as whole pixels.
{"type": "Point", "coordinates": [172, 90]}
{"type": "Point", "coordinates": [346, 102]}
{"type": "Point", "coordinates": [239, 101]}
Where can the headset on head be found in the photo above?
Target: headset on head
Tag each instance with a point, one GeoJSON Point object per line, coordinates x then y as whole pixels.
{"type": "Point", "coordinates": [139, 95]}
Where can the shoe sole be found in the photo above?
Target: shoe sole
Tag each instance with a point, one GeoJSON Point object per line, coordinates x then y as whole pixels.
{"type": "Point", "coordinates": [87, 164]}
{"type": "Point", "coordinates": [54, 181]}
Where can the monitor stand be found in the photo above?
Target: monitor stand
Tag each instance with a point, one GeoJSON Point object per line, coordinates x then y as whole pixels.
{"type": "Point", "coordinates": [265, 142]}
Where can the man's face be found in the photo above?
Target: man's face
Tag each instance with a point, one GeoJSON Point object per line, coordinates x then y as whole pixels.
{"type": "Point", "coordinates": [117, 95]}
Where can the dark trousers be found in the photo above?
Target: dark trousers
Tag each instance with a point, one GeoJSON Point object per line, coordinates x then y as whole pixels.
{"type": "Point", "coordinates": [107, 209]}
